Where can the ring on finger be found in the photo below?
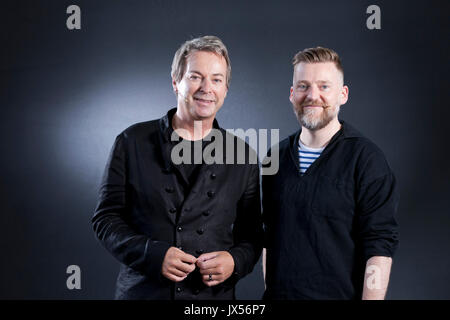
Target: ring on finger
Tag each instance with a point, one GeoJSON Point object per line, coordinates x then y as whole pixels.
{"type": "Point", "coordinates": [210, 277]}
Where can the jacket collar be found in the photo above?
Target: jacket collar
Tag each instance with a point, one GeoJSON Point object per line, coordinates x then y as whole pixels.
{"type": "Point", "coordinates": [347, 131]}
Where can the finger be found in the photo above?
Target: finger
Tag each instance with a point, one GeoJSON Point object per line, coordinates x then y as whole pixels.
{"type": "Point", "coordinates": [208, 256]}
{"type": "Point", "coordinates": [177, 273]}
{"type": "Point", "coordinates": [209, 271]}
{"type": "Point", "coordinates": [211, 283]}
{"type": "Point", "coordinates": [184, 267]}
{"type": "Point", "coordinates": [187, 258]}
{"type": "Point", "coordinates": [211, 277]}
{"type": "Point", "coordinates": [207, 264]}
{"type": "Point", "coordinates": [173, 277]}
{"type": "Point", "coordinates": [210, 264]}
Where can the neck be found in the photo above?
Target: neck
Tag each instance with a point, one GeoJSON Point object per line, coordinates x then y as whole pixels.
{"type": "Point", "coordinates": [319, 138]}
{"type": "Point", "coordinates": [190, 129]}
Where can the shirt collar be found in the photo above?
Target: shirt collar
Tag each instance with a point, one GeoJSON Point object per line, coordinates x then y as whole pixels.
{"type": "Point", "coordinates": [165, 124]}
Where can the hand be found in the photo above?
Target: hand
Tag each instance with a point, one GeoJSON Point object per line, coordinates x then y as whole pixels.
{"type": "Point", "coordinates": [219, 265]}
{"type": "Point", "coordinates": [177, 264]}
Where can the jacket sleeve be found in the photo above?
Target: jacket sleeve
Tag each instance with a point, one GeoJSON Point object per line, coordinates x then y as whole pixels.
{"type": "Point", "coordinates": [247, 230]}
{"type": "Point", "coordinates": [110, 219]}
{"type": "Point", "coordinates": [377, 202]}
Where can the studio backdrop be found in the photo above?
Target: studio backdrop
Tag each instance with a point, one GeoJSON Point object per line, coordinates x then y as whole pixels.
{"type": "Point", "coordinates": [74, 74]}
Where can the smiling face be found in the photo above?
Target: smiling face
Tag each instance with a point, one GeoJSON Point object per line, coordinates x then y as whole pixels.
{"type": "Point", "coordinates": [203, 87]}
{"type": "Point", "coordinates": [317, 93]}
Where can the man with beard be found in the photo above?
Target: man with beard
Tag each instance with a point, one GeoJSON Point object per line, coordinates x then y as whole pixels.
{"type": "Point", "coordinates": [329, 211]}
{"type": "Point", "coordinates": [182, 230]}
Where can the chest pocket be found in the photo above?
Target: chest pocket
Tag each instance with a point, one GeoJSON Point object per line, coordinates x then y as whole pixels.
{"type": "Point", "coordinates": [333, 198]}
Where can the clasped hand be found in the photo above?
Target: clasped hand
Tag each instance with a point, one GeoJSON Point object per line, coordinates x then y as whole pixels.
{"type": "Point", "coordinates": [215, 267]}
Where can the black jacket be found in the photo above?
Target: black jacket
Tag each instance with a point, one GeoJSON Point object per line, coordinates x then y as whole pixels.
{"type": "Point", "coordinates": [146, 205]}
{"type": "Point", "coordinates": [322, 227]}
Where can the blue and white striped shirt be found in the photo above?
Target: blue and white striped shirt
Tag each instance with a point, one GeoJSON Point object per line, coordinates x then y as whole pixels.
{"type": "Point", "coordinates": [307, 155]}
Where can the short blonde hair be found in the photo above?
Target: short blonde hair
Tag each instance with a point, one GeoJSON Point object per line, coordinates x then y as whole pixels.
{"type": "Point", "coordinates": [206, 43]}
{"type": "Point", "coordinates": [318, 54]}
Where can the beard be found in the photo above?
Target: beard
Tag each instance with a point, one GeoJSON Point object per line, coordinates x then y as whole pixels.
{"type": "Point", "coordinates": [315, 118]}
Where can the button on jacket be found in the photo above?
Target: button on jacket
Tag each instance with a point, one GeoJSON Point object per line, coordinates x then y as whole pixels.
{"type": "Point", "coordinates": [322, 227]}
{"type": "Point", "coordinates": [147, 205]}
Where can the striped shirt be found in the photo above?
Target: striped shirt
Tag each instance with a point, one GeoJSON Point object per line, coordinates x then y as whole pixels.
{"type": "Point", "coordinates": [307, 155]}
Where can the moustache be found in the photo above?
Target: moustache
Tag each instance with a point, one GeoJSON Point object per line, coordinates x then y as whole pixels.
{"type": "Point", "coordinates": [323, 105]}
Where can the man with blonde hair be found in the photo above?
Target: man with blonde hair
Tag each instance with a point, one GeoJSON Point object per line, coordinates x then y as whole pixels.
{"type": "Point", "coordinates": [329, 211]}
{"type": "Point", "coordinates": [181, 230]}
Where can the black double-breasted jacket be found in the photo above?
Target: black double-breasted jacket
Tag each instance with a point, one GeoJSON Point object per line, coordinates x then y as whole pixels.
{"type": "Point", "coordinates": [146, 205]}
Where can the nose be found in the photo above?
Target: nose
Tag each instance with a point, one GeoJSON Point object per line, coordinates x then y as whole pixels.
{"type": "Point", "coordinates": [206, 85]}
{"type": "Point", "coordinates": [313, 93]}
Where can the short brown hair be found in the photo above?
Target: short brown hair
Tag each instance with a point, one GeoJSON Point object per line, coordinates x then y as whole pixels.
{"type": "Point", "coordinates": [206, 43]}
{"type": "Point", "coordinates": [318, 54]}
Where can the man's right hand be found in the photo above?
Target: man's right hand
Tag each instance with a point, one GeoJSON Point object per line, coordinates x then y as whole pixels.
{"type": "Point", "coordinates": [177, 264]}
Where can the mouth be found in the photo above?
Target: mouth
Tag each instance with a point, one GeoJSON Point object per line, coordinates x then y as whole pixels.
{"type": "Point", "coordinates": [204, 101]}
{"type": "Point", "coordinates": [313, 106]}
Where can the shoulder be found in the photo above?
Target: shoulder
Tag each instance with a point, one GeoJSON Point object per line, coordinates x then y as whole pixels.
{"type": "Point", "coordinates": [371, 161]}
{"type": "Point", "coordinates": [359, 143]}
{"type": "Point", "coordinates": [363, 147]}
{"type": "Point", "coordinates": [284, 146]}
{"type": "Point", "coordinates": [286, 143]}
{"type": "Point", "coordinates": [138, 132]}
{"type": "Point", "coordinates": [140, 129]}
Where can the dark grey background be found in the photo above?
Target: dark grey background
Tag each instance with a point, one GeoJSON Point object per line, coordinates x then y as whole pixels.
{"type": "Point", "coordinates": [65, 95]}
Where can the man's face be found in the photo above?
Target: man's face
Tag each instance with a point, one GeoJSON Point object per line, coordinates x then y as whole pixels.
{"type": "Point", "coordinates": [203, 88]}
{"type": "Point", "coordinates": [317, 93]}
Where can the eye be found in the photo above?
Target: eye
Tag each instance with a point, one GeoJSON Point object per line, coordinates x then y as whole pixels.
{"type": "Point", "coordinates": [217, 80]}
{"type": "Point", "coordinates": [325, 87]}
{"type": "Point", "coordinates": [302, 87]}
{"type": "Point", "coordinates": [194, 77]}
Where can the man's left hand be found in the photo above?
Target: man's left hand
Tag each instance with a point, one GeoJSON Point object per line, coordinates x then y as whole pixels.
{"type": "Point", "coordinates": [215, 267]}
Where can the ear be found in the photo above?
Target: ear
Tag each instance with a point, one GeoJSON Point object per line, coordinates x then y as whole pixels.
{"type": "Point", "coordinates": [291, 95]}
{"type": "Point", "coordinates": [343, 96]}
{"type": "Point", "coordinates": [174, 86]}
